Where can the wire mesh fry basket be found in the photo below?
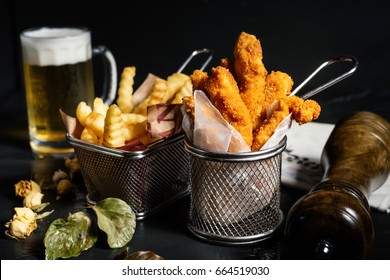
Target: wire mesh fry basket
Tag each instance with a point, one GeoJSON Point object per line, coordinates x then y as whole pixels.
{"type": "Point", "coordinates": [235, 197]}
{"type": "Point", "coordinates": [147, 180]}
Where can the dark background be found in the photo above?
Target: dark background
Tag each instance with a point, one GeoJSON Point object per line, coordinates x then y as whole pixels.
{"type": "Point", "coordinates": [157, 36]}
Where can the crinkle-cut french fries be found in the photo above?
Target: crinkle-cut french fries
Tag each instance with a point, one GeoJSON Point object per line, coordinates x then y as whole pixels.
{"type": "Point", "coordinates": [142, 108]}
{"type": "Point", "coordinates": [157, 96]}
{"type": "Point", "coordinates": [135, 131]}
{"type": "Point", "coordinates": [88, 135]}
{"type": "Point", "coordinates": [175, 82]}
{"type": "Point", "coordinates": [82, 112]}
{"type": "Point", "coordinates": [125, 90]}
{"type": "Point", "coordinates": [146, 139]}
{"type": "Point", "coordinates": [113, 128]}
{"type": "Point", "coordinates": [185, 90]}
{"type": "Point", "coordinates": [132, 118]}
{"type": "Point", "coordinates": [99, 106]}
{"type": "Point", "coordinates": [95, 121]}
{"type": "Point", "coordinates": [159, 92]}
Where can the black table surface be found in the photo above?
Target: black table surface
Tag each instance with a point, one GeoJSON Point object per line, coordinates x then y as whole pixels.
{"type": "Point", "coordinates": [296, 38]}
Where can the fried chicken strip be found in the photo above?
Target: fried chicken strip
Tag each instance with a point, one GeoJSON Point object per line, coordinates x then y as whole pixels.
{"type": "Point", "coordinates": [268, 127]}
{"type": "Point", "coordinates": [250, 74]}
{"type": "Point", "coordinates": [189, 106]}
{"type": "Point", "coordinates": [225, 96]}
{"type": "Point", "coordinates": [251, 100]}
{"type": "Point", "coordinates": [303, 111]}
{"type": "Point", "coordinates": [278, 86]}
{"type": "Point", "coordinates": [198, 79]}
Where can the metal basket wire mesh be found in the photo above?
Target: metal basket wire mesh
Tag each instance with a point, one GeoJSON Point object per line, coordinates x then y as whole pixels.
{"type": "Point", "coordinates": [147, 180]}
{"type": "Point", "coordinates": [235, 198]}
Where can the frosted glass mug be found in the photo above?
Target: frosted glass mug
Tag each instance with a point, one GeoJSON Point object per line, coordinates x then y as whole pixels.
{"type": "Point", "coordinates": [58, 74]}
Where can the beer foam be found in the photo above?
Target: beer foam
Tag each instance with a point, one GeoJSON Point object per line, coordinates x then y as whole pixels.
{"type": "Point", "coordinates": [56, 46]}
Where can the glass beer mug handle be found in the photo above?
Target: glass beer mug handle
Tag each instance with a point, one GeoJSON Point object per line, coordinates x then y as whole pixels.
{"type": "Point", "coordinates": [110, 74]}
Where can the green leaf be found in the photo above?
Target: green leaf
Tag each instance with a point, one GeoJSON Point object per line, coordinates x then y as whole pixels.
{"type": "Point", "coordinates": [44, 215]}
{"type": "Point", "coordinates": [116, 218]}
{"type": "Point", "coordinates": [66, 238]}
{"type": "Point", "coordinates": [40, 207]}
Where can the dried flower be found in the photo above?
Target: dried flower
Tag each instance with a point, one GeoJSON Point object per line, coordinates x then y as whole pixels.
{"type": "Point", "coordinates": [22, 223]}
{"type": "Point", "coordinates": [73, 165]}
{"type": "Point", "coordinates": [24, 187]}
{"type": "Point", "coordinates": [65, 187]}
{"type": "Point", "coordinates": [59, 175]}
{"type": "Point", "coordinates": [33, 199]}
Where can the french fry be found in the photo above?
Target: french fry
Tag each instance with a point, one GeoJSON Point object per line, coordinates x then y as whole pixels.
{"type": "Point", "coordinates": [175, 82]}
{"type": "Point", "coordinates": [135, 131]}
{"type": "Point", "coordinates": [113, 128]}
{"type": "Point", "coordinates": [82, 112]}
{"type": "Point", "coordinates": [142, 108]}
{"type": "Point", "coordinates": [146, 139]}
{"type": "Point", "coordinates": [164, 91]}
{"type": "Point", "coordinates": [132, 118]}
{"type": "Point", "coordinates": [185, 90]}
{"type": "Point", "coordinates": [99, 106]}
{"type": "Point", "coordinates": [95, 121]}
{"type": "Point", "coordinates": [88, 135]}
{"type": "Point", "coordinates": [156, 96]}
{"type": "Point", "coordinates": [159, 92]}
{"type": "Point", "coordinates": [189, 106]}
{"type": "Point", "coordinates": [125, 90]}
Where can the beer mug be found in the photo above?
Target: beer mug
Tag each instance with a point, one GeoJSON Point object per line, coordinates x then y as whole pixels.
{"type": "Point", "coordinates": [58, 74]}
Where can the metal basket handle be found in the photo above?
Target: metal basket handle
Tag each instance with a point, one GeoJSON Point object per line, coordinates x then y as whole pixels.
{"type": "Point", "coordinates": [194, 54]}
{"type": "Point", "coordinates": [310, 93]}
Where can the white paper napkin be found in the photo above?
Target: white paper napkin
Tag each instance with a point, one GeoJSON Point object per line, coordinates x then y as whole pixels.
{"type": "Point", "coordinates": [301, 166]}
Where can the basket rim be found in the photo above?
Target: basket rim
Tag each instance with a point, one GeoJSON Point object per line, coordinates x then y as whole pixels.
{"type": "Point", "coordinates": [150, 149]}
{"type": "Point", "coordinates": [235, 157]}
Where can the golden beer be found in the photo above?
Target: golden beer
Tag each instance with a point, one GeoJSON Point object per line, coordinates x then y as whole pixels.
{"type": "Point", "coordinates": [58, 74]}
{"type": "Point", "coordinates": [49, 89]}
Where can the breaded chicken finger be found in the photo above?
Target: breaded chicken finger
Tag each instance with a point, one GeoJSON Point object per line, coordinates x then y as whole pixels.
{"type": "Point", "coordinates": [198, 78]}
{"type": "Point", "coordinates": [278, 86]}
{"type": "Point", "coordinates": [303, 111]}
{"type": "Point", "coordinates": [268, 127]}
{"type": "Point", "coordinates": [250, 74]}
{"type": "Point", "coordinates": [225, 96]}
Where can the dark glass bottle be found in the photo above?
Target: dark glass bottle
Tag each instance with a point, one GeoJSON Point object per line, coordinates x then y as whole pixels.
{"type": "Point", "coordinates": [333, 221]}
